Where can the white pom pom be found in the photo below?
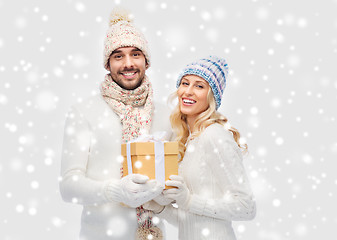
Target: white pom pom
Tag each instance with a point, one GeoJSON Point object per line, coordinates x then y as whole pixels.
{"type": "Point", "coordinates": [119, 14]}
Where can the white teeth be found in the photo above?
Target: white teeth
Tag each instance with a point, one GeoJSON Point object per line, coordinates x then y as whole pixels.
{"type": "Point", "coordinates": [128, 74]}
{"type": "Point", "coordinates": [188, 101]}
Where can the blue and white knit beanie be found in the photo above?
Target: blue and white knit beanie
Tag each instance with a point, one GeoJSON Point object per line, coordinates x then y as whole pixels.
{"type": "Point", "coordinates": [214, 70]}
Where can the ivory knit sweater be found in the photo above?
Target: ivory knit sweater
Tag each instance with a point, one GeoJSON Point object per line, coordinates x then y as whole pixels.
{"type": "Point", "coordinates": [220, 192]}
{"type": "Point", "coordinates": [91, 157]}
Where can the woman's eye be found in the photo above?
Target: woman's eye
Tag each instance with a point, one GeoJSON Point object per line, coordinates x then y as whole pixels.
{"type": "Point", "coordinates": [200, 86]}
{"type": "Point", "coordinates": [184, 83]}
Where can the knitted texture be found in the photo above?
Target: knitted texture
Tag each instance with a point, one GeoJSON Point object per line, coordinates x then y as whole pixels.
{"type": "Point", "coordinates": [214, 70]}
{"type": "Point", "coordinates": [214, 172]}
{"type": "Point", "coordinates": [122, 33]}
{"type": "Point", "coordinates": [90, 150]}
{"type": "Point", "coordinates": [135, 108]}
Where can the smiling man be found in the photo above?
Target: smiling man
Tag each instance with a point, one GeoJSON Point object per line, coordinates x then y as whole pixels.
{"type": "Point", "coordinates": [127, 67]}
{"type": "Point", "coordinates": [91, 158]}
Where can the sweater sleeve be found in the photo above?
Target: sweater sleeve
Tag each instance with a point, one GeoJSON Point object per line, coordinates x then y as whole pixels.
{"type": "Point", "coordinates": [75, 186]}
{"type": "Point", "coordinates": [170, 214]}
{"type": "Point", "coordinates": [225, 160]}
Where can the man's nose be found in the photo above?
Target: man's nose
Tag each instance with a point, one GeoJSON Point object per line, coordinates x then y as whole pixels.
{"type": "Point", "coordinates": [128, 62]}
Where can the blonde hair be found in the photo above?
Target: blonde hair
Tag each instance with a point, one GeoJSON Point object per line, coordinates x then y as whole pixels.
{"type": "Point", "coordinates": [205, 119]}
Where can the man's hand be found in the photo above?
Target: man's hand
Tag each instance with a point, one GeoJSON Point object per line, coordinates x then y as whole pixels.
{"type": "Point", "coordinates": [133, 190]}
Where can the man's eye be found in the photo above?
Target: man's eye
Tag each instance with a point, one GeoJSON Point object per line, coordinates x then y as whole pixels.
{"type": "Point", "coordinates": [136, 54]}
{"type": "Point", "coordinates": [118, 56]}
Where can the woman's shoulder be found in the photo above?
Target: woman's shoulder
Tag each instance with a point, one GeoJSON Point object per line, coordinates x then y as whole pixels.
{"type": "Point", "coordinates": [217, 130]}
{"type": "Point", "coordinates": [218, 136]}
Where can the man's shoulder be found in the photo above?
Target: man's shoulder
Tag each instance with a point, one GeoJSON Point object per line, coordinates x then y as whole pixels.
{"type": "Point", "coordinates": [89, 102]}
{"type": "Point", "coordinates": [91, 105]}
{"type": "Point", "coordinates": [95, 110]}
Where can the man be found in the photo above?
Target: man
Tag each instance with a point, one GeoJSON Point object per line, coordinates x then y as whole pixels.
{"type": "Point", "coordinates": [94, 131]}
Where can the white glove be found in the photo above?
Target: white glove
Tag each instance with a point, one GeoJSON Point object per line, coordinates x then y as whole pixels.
{"type": "Point", "coordinates": [133, 190]}
{"type": "Point", "coordinates": [162, 200]}
{"type": "Point", "coordinates": [153, 206]}
{"type": "Point", "coordinates": [180, 194]}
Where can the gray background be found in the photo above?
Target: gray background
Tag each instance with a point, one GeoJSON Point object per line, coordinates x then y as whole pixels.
{"type": "Point", "coordinates": [281, 96]}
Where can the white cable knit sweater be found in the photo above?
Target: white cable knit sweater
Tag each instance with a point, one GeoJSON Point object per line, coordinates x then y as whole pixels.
{"type": "Point", "coordinates": [220, 192]}
{"type": "Point", "coordinates": [91, 158]}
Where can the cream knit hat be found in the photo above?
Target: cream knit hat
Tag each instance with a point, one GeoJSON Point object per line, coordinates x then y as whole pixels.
{"type": "Point", "coordinates": [122, 33]}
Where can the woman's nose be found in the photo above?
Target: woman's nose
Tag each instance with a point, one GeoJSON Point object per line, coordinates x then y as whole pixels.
{"type": "Point", "coordinates": [189, 90]}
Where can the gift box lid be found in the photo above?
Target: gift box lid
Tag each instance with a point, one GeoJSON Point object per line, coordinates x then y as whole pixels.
{"type": "Point", "coordinates": [147, 148]}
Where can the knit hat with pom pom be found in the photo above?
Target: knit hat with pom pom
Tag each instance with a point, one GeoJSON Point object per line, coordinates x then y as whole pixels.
{"type": "Point", "coordinates": [122, 33]}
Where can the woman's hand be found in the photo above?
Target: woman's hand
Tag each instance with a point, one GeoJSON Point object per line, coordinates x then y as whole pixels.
{"type": "Point", "coordinates": [180, 193]}
{"type": "Point", "coordinates": [162, 200]}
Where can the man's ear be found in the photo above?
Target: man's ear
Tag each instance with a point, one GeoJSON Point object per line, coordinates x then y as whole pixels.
{"type": "Point", "coordinates": [146, 65]}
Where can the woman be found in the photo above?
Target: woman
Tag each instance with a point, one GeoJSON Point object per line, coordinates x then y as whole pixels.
{"type": "Point", "coordinates": [212, 188]}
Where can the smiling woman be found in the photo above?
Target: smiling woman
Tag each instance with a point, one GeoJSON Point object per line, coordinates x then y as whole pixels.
{"type": "Point", "coordinates": [192, 95]}
{"type": "Point", "coordinates": [212, 187]}
{"type": "Point", "coordinates": [200, 88]}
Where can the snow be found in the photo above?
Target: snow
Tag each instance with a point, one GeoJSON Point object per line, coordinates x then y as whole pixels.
{"type": "Point", "coordinates": [281, 96]}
